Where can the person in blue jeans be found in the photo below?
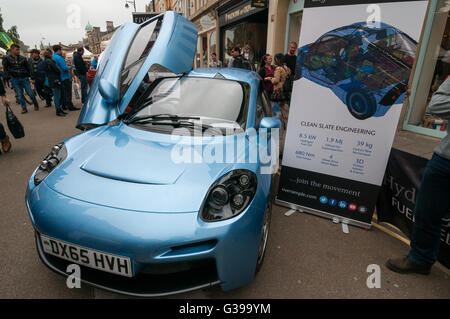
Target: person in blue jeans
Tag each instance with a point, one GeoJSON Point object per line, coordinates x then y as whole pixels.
{"type": "Point", "coordinates": [433, 200]}
{"type": "Point", "coordinates": [53, 75]}
{"type": "Point", "coordinates": [17, 67]}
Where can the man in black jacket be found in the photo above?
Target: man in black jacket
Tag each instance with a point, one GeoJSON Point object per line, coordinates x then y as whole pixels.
{"type": "Point", "coordinates": [4, 139]}
{"type": "Point", "coordinates": [37, 66]}
{"type": "Point", "coordinates": [18, 68]}
{"type": "Point", "coordinates": [80, 71]}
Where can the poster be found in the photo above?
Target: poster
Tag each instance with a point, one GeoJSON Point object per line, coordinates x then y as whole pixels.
{"type": "Point", "coordinates": [398, 195]}
{"type": "Point", "coordinates": [353, 66]}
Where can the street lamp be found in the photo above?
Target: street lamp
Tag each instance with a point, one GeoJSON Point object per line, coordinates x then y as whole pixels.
{"type": "Point", "coordinates": [131, 1]}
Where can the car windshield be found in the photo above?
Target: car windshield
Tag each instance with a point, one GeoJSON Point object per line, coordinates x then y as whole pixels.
{"type": "Point", "coordinates": [217, 103]}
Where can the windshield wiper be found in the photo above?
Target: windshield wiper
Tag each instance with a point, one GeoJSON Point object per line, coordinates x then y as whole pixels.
{"type": "Point", "coordinates": [158, 117]}
{"type": "Point", "coordinates": [180, 123]}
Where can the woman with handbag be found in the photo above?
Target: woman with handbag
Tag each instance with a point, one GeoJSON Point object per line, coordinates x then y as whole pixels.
{"type": "Point", "coordinates": [53, 74]}
{"type": "Point", "coordinates": [4, 139]}
{"type": "Point", "coordinates": [278, 94]}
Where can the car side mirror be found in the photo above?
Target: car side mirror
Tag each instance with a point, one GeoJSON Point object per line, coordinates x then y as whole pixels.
{"type": "Point", "coordinates": [270, 123]}
{"type": "Point", "coordinates": [108, 91]}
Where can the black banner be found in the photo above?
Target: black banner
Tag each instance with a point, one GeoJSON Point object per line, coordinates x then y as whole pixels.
{"type": "Point", "coordinates": [329, 194]}
{"type": "Point", "coordinates": [398, 196]}
{"type": "Point", "coordinates": [330, 3]}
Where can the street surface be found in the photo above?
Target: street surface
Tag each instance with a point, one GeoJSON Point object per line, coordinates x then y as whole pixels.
{"type": "Point", "coordinates": [307, 256]}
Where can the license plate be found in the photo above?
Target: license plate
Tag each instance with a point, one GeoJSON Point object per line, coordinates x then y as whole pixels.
{"type": "Point", "coordinates": [87, 257]}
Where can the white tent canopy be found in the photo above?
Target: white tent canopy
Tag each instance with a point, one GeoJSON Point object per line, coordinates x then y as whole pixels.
{"type": "Point", "coordinates": [87, 54]}
{"type": "Point", "coordinates": [2, 51]}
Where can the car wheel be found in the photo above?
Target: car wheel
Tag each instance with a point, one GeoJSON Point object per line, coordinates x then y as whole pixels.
{"type": "Point", "coordinates": [361, 105]}
{"type": "Point", "coordinates": [264, 236]}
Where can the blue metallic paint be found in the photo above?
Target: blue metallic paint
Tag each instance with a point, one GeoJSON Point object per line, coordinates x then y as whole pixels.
{"type": "Point", "coordinates": [174, 49]}
{"type": "Point", "coordinates": [140, 206]}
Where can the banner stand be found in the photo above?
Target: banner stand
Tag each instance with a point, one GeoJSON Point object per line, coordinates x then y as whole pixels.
{"type": "Point", "coordinates": [323, 214]}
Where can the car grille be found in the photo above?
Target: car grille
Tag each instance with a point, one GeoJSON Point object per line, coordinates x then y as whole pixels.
{"type": "Point", "coordinates": [152, 281]}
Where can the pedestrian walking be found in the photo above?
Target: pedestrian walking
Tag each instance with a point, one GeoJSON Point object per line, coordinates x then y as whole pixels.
{"type": "Point", "coordinates": [279, 79]}
{"type": "Point", "coordinates": [37, 66]}
{"type": "Point", "coordinates": [267, 72]}
{"type": "Point", "coordinates": [81, 71]}
{"type": "Point", "coordinates": [4, 139]}
{"type": "Point", "coordinates": [215, 63]}
{"type": "Point", "coordinates": [53, 74]}
{"type": "Point", "coordinates": [18, 68]}
{"type": "Point", "coordinates": [433, 200]}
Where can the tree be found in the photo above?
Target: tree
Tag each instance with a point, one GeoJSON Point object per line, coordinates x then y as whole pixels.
{"type": "Point", "coordinates": [12, 32]}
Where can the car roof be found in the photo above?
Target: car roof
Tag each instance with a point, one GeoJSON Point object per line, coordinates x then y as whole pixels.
{"type": "Point", "coordinates": [234, 74]}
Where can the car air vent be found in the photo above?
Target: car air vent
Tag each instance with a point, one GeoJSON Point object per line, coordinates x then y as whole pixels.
{"type": "Point", "coordinates": [193, 248]}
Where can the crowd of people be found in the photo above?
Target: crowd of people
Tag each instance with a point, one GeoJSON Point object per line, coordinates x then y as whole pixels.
{"type": "Point", "coordinates": [277, 73]}
{"type": "Point", "coordinates": [48, 75]}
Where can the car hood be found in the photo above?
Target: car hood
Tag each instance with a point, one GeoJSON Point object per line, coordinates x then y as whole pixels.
{"type": "Point", "coordinates": [127, 168]}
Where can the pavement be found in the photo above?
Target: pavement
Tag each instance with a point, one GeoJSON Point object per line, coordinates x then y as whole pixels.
{"type": "Point", "coordinates": [306, 257]}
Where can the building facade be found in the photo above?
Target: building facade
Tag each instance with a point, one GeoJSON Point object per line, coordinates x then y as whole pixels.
{"type": "Point", "coordinates": [95, 36]}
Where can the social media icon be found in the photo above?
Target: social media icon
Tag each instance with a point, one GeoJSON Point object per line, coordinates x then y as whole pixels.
{"type": "Point", "coordinates": [342, 204]}
{"type": "Point", "coordinates": [323, 199]}
{"type": "Point", "coordinates": [362, 209]}
{"type": "Point", "coordinates": [352, 207]}
{"type": "Point", "coordinates": [332, 202]}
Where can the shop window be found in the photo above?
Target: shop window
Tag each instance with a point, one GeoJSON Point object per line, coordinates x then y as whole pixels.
{"type": "Point", "coordinates": [212, 42]}
{"type": "Point", "coordinates": [295, 24]}
{"type": "Point", "coordinates": [435, 69]}
{"type": "Point", "coordinates": [250, 37]}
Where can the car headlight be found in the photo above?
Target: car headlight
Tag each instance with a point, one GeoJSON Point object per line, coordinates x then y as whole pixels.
{"type": "Point", "coordinates": [229, 196]}
{"type": "Point", "coordinates": [50, 162]}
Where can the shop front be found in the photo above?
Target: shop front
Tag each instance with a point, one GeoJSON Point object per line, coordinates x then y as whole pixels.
{"type": "Point", "coordinates": [293, 22]}
{"type": "Point", "coordinates": [432, 68]}
{"type": "Point", "coordinates": [243, 24]}
{"type": "Point", "coordinates": [207, 38]}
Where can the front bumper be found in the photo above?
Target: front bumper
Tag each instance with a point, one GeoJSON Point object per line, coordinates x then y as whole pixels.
{"type": "Point", "coordinates": [170, 253]}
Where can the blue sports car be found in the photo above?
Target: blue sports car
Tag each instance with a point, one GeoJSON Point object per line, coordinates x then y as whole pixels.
{"type": "Point", "coordinates": [168, 188]}
{"type": "Point", "coordinates": [366, 66]}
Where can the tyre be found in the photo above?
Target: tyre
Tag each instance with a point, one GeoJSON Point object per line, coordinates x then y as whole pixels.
{"type": "Point", "coordinates": [361, 105]}
{"type": "Point", "coordinates": [264, 237]}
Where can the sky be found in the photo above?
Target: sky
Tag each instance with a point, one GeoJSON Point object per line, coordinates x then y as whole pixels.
{"type": "Point", "coordinates": [63, 20]}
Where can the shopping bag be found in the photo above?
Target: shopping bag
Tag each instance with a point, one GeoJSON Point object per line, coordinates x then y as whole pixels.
{"type": "Point", "coordinates": [76, 90]}
{"type": "Point", "coordinates": [14, 125]}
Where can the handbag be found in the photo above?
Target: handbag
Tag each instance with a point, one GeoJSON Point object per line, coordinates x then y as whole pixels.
{"type": "Point", "coordinates": [277, 95]}
{"type": "Point", "coordinates": [14, 125]}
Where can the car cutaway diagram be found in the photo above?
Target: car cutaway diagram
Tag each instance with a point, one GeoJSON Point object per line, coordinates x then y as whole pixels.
{"type": "Point", "coordinates": [366, 66]}
{"type": "Point", "coordinates": [113, 200]}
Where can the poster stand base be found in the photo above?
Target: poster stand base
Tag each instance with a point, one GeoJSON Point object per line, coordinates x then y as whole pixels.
{"type": "Point", "coordinates": [319, 213]}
